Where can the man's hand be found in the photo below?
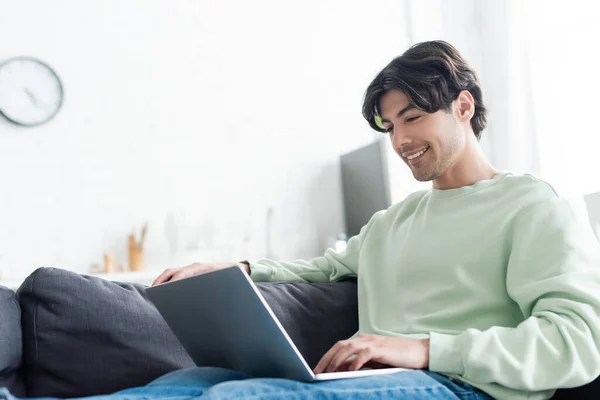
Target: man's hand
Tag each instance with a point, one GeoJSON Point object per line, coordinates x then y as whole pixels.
{"type": "Point", "coordinates": [174, 274]}
{"type": "Point", "coordinates": [398, 352]}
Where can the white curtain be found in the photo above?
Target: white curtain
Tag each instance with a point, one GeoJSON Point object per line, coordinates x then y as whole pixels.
{"type": "Point", "coordinates": [563, 41]}
{"type": "Point", "coordinates": [538, 63]}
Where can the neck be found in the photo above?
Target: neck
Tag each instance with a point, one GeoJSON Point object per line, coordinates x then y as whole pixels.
{"type": "Point", "coordinates": [470, 167]}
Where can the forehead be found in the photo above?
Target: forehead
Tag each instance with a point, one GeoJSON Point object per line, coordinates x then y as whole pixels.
{"type": "Point", "coordinates": [391, 102]}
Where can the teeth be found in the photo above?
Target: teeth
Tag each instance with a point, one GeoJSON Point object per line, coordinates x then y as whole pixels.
{"type": "Point", "coordinates": [417, 154]}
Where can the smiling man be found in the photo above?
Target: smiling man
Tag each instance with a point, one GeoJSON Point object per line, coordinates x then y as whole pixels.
{"type": "Point", "coordinates": [484, 285]}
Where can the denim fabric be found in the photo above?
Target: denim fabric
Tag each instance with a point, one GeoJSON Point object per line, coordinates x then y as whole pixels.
{"type": "Point", "coordinates": [216, 383]}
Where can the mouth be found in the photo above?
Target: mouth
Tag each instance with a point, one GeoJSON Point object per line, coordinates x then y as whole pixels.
{"type": "Point", "coordinates": [417, 157]}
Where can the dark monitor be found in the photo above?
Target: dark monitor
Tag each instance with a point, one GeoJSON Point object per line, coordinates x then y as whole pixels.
{"type": "Point", "coordinates": [365, 185]}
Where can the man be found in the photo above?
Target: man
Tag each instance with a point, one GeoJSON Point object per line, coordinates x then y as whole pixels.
{"type": "Point", "coordinates": [486, 284]}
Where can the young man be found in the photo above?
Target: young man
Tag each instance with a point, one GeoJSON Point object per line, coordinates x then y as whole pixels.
{"type": "Point", "coordinates": [486, 284]}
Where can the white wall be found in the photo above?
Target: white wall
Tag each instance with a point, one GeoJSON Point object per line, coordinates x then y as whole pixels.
{"type": "Point", "coordinates": [195, 116]}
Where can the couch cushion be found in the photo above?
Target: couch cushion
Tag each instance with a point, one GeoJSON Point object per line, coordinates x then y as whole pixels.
{"type": "Point", "coordinates": [589, 391]}
{"type": "Point", "coordinates": [85, 336]}
{"type": "Point", "coordinates": [315, 316]}
{"type": "Point", "coordinates": [11, 350]}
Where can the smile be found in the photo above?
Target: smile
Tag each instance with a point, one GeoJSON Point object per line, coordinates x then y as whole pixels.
{"type": "Point", "coordinates": [414, 158]}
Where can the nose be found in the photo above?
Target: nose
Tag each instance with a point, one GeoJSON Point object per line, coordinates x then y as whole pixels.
{"type": "Point", "coordinates": [400, 138]}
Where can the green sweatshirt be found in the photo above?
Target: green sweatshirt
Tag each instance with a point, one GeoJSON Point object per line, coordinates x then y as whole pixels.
{"type": "Point", "coordinates": [501, 276]}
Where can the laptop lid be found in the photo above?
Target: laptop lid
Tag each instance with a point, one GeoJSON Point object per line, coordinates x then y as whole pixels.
{"type": "Point", "coordinates": [222, 320]}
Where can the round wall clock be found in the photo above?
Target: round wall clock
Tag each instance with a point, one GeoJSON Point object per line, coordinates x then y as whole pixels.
{"type": "Point", "coordinates": [31, 93]}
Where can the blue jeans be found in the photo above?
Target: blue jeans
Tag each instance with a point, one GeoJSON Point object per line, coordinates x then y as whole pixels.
{"type": "Point", "coordinates": [216, 383]}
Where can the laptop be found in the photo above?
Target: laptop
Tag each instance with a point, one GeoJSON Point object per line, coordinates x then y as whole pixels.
{"type": "Point", "coordinates": [222, 320]}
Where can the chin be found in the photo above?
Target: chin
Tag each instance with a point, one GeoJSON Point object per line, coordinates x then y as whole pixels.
{"type": "Point", "coordinates": [423, 176]}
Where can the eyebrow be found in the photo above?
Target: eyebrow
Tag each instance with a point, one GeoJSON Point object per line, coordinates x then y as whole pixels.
{"type": "Point", "coordinates": [401, 112]}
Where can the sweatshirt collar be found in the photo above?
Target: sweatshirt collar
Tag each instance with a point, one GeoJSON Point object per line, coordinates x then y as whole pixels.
{"type": "Point", "coordinates": [465, 190]}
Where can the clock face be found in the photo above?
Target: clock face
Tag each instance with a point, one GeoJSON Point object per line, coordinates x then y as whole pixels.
{"type": "Point", "coordinates": [30, 92]}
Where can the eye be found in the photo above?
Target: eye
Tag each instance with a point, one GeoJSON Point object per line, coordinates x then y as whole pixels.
{"type": "Point", "coordinates": [412, 119]}
{"type": "Point", "coordinates": [389, 129]}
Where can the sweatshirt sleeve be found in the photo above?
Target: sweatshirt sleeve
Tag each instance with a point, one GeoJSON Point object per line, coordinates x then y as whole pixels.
{"type": "Point", "coordinates": [554, 276]}
{"type": "Point", "coordinates": [331, 267]}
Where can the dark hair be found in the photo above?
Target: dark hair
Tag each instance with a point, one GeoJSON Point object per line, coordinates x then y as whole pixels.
{"type": "Point", "coordinates": [432, 75]}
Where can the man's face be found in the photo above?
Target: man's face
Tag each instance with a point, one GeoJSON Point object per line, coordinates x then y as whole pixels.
{"type": "Point", "coordinates": [428, 143]}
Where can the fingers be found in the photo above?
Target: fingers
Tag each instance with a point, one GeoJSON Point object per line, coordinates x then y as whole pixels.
{"type": "Point", "coordinates": [175, 274]}
{"type": "Point", "coordinates": [345, 366]}
{"type": "Point", "coordinates": [324, 362]}
{"type": "Point", "coordinates": [166, 276]}
{"type": "Point", "coordinates": [346, 351]}
{"type": "Point", "coordinates": [362, 357]}
{"type": "Point", "coordinates": [182, 275]}
{"type": "Point", "coordinates": [339, 353]}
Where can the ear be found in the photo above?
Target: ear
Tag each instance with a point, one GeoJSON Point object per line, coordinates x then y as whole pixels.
{"type": "Point", "coordinates": [465, 106]}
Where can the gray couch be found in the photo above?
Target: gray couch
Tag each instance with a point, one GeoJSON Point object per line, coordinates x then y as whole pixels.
{"type": "Point", "coordinates": [69, 335]}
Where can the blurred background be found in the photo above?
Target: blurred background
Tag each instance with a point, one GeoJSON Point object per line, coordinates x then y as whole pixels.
{"type": "Point", "coordinates": [222, 125]}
